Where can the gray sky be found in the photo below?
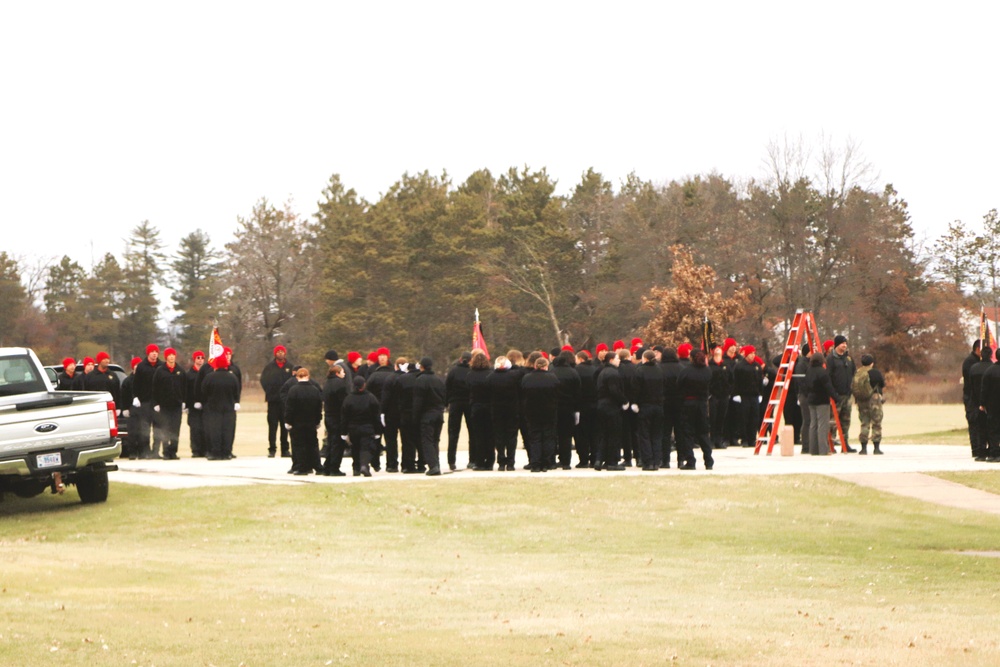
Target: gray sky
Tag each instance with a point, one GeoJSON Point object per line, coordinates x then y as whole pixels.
{"type": "Point", "coordinates": [186, 113]}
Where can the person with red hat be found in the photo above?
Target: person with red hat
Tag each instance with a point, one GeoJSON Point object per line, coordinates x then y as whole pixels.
{"type": "Point", "coordinates": [355, 359]}
{"type": "Point", "coordinates": [684, 353]}
{"type": "Point", "coordinates": [196, 426]}
{"type": "Point", "coordinates": [130, 413]}
{"type": "Point", "coordinates": [68, 377]}
{"type": "Point", "coordinates": [748, 378]}
{"type": "Point", "coordinates": [102, 379]}
{"type": "Point", "coordinates": [168, 403]}
{"type": "Point", "coordinates": [600, 352]}
{"type": "Point", "coordinates": [732, 428]}
{"type": "Point", "coordinates": [143, 402]}
{"type": "Point", "coordinates": [375, 384]}
{"type": "Point", "coordinates": [630, 419]}
{"type": "Point", "coordinates": [80, 380]}
{"type": "Point", "coordinates": [220, 390]}
{"type": "Point", "coordinates": [276, 373]}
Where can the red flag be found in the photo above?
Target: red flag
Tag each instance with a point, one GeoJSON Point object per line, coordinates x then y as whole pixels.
{"type": "Point", "coordinates": [215, 347]}
{"type": "Point", "coordinates": [478, 342]}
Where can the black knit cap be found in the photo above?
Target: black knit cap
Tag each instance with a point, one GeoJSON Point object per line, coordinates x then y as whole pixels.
{"type": "Point", "coordinates": [332, 356]}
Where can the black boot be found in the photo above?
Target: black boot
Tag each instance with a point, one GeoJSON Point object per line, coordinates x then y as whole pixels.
{"type": "Point", "coordinates": [864, 448]}
{"type": "Point", "coordinates": [877, 450]}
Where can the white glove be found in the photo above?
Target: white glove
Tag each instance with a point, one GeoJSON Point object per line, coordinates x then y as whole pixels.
{"type": "Point", "coordinates": [766, 381]}
{"type": "Point", "coordinates": [156, 408]}
{"type": "Point", "coordinates": [236, 407]}
{"type": "Point", "coordinates": [135, 402]}
{"type": "Point", "coordinates": [378, 438]}
{"type": "Point", "coordinates": [347, 439]}
{"type": "Point", "coordinates": [118, 413]}
{"type": "Point", "coordinates": [576, 419]}
{"type": "Point", "coordinates": [624, 406]}
{"type": "Point", "coordinates": [344, 438]}
{"type": "Point", "coordinates": [197, 406]}
{"type": "Point", "coordinates": [760, 399]}
{"type": "Point", "coordinates": [184, 407]}
{"type": "Point", "coordinates": [125, 414]}
{"type": "Point", "coordinates": [635, 408]}
{"type": "Point", "coordinates": [737, 399]}
{"type": "Point", "coordinates": [288, 427]}
{"type": "Point", "coordinates": [383, 419]}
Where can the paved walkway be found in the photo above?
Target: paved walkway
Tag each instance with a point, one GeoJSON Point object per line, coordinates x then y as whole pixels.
{"type": "Point", "coordinates": [899, 471]}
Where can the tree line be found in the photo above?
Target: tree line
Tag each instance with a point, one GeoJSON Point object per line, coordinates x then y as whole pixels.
{"type": "Point", "coordinates": [408, 270]}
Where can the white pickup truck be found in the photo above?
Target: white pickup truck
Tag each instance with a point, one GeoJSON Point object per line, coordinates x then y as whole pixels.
{"type": "Point", "coordinates": [52, 438]}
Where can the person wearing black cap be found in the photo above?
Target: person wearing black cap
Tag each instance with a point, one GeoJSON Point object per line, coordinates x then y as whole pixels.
{"type": "Point", "coordinates": [457, 388]}
{"type": "Point", "coordinates": [332, 358]}
{"type": "Point", "coordinates": [980, 448]}
{"type": "Point", "coordinates": [360, 426]}
{"type": "Point", "coordinates": [842, 369]}
{"type": "Point", "coordinates": [302, 416]}
{"type": "Point", "coordinates": [971, 409]}
{"type": "Point", "coordinates": [429, 401]}
{"type": "Point", "coordinates": [867, 389]}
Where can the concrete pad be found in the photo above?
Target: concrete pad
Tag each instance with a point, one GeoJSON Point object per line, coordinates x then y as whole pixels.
{"type": "Point", "coordinates": [928, 488]}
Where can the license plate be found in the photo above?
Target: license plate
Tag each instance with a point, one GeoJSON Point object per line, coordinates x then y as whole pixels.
{"type": "Point", "coordinates": [50, 460]}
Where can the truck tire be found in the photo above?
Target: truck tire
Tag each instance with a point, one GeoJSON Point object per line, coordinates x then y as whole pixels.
{"type": "Point", "coordinates": [93, 486]}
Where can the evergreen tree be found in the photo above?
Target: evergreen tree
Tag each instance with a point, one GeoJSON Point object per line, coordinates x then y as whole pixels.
{"type": "Point", "coordinates": [196, 268]}
{"type": "Point", "coordinates": [143, 272]}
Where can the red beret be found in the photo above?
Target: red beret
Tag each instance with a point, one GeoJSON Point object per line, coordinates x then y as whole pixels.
{"type": "Point", "coordinates": [167, 352]}
{"type": "Point", "coordinates": [728, 343]}
{"type": "Point", "coordinates": [101, 356]}
{"type": "Point", "coordinates": [544, 354]}
{"type": "Point", "coordinates": [152, 347]}
{"type": "Point", "coordinates": [220, 362]}
{"type": "Point", "coordinates": [618, 345]}
{"type": "Point", "coordinates": [135, 362]}
{"type": "Point", "coordinates": [636, 341]}
{"type": "Point", "coordinates": [601, 347]}
{"type": "Point", "coordinates": [87, 360]}
{"type": "Point", "coordinates": [383, 350]}
{"type": "Point", "coordinates": [827, 344]}
{"type": "Point", "coordinates": [684, 350]}
{"type": "Point", "coordinates": [197, 353]}
{"type": "Point", "coordinates": [352, 357]}
{"type": "Point", "coordinates": [568, 348]}
{"type": "Point", "coordinates": [227, 350]}
{"type": "Point", "coordinates": [280, 347]}
{"type": "Point", "coordinates": [373, 357]}
{"type": "Point", "coordinates": [747, 349]}
{"type": "Point", "coordinates": [67, 361]}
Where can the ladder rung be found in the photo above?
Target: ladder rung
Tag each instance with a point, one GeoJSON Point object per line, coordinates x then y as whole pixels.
{"type": "Point", "coordinates": [769, 421]}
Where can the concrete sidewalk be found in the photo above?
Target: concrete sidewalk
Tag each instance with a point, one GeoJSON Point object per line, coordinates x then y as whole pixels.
{"type": "Point", "coordinates": [899, 471]}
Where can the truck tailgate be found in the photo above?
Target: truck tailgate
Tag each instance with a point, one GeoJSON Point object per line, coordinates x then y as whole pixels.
{"type": "Point", "coordinates": [83, 423]}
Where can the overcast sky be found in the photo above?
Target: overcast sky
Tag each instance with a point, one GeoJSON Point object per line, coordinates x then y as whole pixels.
{"type": "Point", "coordinates": [185, 113]}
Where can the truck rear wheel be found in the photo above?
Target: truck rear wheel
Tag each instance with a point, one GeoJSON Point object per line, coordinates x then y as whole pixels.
{"type": "Point", "coordinates": [93, 486]}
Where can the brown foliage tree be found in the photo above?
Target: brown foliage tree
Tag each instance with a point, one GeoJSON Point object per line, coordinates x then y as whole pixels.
{"type": "Point", "coordinates": [678, 311]}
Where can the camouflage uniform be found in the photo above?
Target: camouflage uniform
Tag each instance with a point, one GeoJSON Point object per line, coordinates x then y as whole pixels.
{"type": "Point", "coordinates": [870, 412]}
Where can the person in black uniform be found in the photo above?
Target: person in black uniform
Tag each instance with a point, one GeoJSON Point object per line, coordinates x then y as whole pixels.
{"type": "Point", "coordinates": [611, 402]}
{"type": "Point", "coordinates": [130, 413]}
{"type": "Point", "coordinates": [168, 403]}
{"type": "Point", "coordinates": [976, 375]}
{"type": "Point", "coordinates": [586, 430]}
{"type": "Point", "coordinates": [971, 409]}
{"type": "Point", "coordinates": [235, 370]}
{"type": "Point", "coordinates": [693, 386]}
{"type": "Point", "coordinates": [302, 417]}
{"type": "Point", "coordinates": [275, 374]}
{"type": "Point", "coordinates": [747, 382]}
{"type": "Point", "coordinates": [671, 368]}
{"type": "Point", "coordinates": [102, 379]}
{"type": "Point", "coordinates": [409, 426]}
{"type": "Point", "coordinates": [360, 425]}
{"type": "Point", "coordinates": [480, 422]}
{"type": "Point", "coordinates": [334, 392]}
{"type": "Point", "coordinates": [989, 405]}
{"type": "Point", "coordinates": [68, 378]}
{"type": "Point", "coordinates": [221, 392]}
{"type": "Point", "coordinates": [505, 397]}
{"type": "Point", "coordinates": [719, 393]}
{"type": "Point", "coordinates": [630, 420]}
{"type": "Point", "coordinates": [568, 409]}
{"type": "Point", "coordinates": [196, 425]}
{"type": "Point", "coordinates": [456, 385]}
{"type": "Point", "coordinates": [540, 392]}
{"type": "Point", "coordinates": [142, 402]}
{"type": "Point", "coordinates": [429, 401]}
{"type": "Point", "coordinates": [378, 376]}
{"type": "Point", "coordinates": [80, 379]}
{"type": "Point", "coordinates": [390, 401]}
{"type": "Point", "coordinates": [734, 413]}
{"type": "Point", "coordinates": [649, 396]}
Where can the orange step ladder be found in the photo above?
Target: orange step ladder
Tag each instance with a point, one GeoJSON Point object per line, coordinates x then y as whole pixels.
{"type": "Point", "coordinates": [803, 326]}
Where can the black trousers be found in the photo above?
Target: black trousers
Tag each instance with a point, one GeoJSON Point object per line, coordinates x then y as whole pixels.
{"type": "Point", "coordinates": [542, 437]}
{"type": "Point", "coordinates": [988, 431]}
{"type": "Point", "coordinates": [305, 448]}
{"type": "Point", "coordinates": [630, 428]}
{"type": "Point", "coordinates": [977, 438]}
{"type": "Point", "coordinates": [391, 435]}
{"type": "Point", "coordinates": [609, 434]}
{"type": "Point", "coordinates": [671, 427]}
{"type": "Point", "coordinates": [196, 429]}
{"type": "Point", "coordinates": [504, 422]}
{"type": "Point", "coordinates": [275, 423]}
{"type": "Point", "coordinates": [586, 435]}
{"type": "Point", "coordinates": [142, 440]}
{"type": "Point", "coordinates": [750, 418]}
{"type": "Point", "coordinates": [717, 409]}
{"type": "Point", "coordinates": [409, 434]}
{"type": "Point", "coordinates": [456, 413]}
{"type": "Point", "coordinates": [650, 434]}
{"type": "Point", "coordinates": [565, 425]}
{"type": "Point", "coordinates": [695, 430]}
{"type": "Point", "coordinates": [220, 429]}
{"type": "Point", "coordinates": [431, 424]}
{"type": "Point", "coordinates": [481, 435]}
{"type": "Point", "coordinates": [734, 422]}
{"type": "Point", "coordinates": [167, 424]}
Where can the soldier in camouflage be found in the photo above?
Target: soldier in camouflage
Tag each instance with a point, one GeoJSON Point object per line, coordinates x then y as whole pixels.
{"type": "Point", "coordinates": [870, 410]}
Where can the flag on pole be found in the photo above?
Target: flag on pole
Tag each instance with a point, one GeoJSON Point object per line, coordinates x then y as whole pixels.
{"type": "Point", "coordinates": [215, 346]}
{"type": "Point", "coordinates": [985, 335]}
{"type": "Point", "coordinates": [478, 342]}
{"type": "Point", "coordinates": [707, 335]}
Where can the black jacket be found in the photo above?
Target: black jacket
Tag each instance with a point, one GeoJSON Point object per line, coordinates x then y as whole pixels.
{"type": "Point", "coordinates": [67, 383]}
{"type": "Point", "coordinates": [588, 383]}
{"type": "Point", "coordinates": [273, 377]}
{"type": "Point", "coordinates": [693, 383]}
{"type": "Point", "coordinates": [842, 371]}
{"type": "Point", "coordinates": [649, 384]}
{"type": "Point", "coordinates": [976, 374]}
{"type": "Point", "coordinates": [540, 391]}
{"type": "Point", "coordinates": [747, 378]}
{"type": "Point", "coordinates": [569, 391]}
{"type": "Point", "coordinates": [505, 390]}
{"type": "Point", "coordinates": [671, 369]}
{"type": "Point", "coordinates": [334, 393]}
{"type": "Point", "coordinates": [142, 386]}
{"type": "Point", "coordinates": [610, 392]}
{"type": "Point", "coordinates": [629, 373]}
{"type": "Point", "coordinates": [359, 414]}
{"type": "Point", "coordinates": [168, 387]}
{"type": "Point", "coordinates": [304, 405]}
{"type": "Point", "coordinates": [429, 395]}
{"type": "Point", "coordinates": [967, 365]}
{"type": "Point", "coordinates": [457, 384]}
{"type": "Point", "coordinates": [721, 386]}
{"type": "Point", "coordinates": [192, 387]}
{"type": "Point", "coordinates": [989, 394]}
{"type": "Point", "coordinates": [221, 391]}
{"type": "Point", "coordinates": [377, 380]}
{"type": "Point", "coordinates": [818, 386]}
{"type": "Point", "coordinates": [98, 381]}
{"type": "Point", "coordinates": [479, 388]}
